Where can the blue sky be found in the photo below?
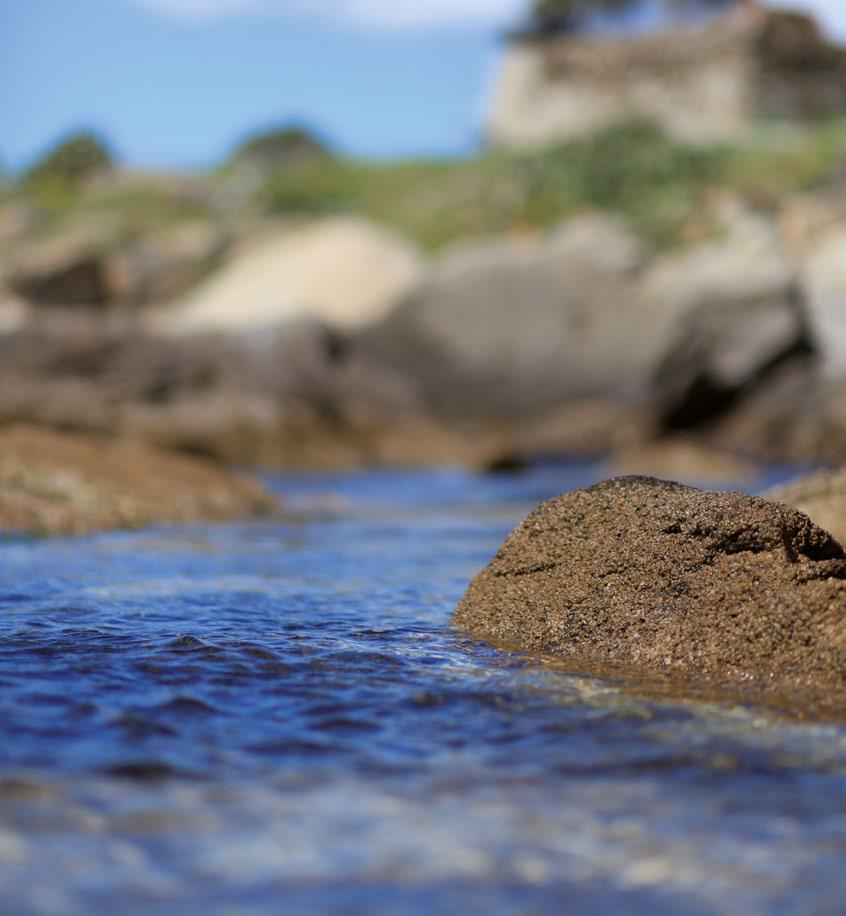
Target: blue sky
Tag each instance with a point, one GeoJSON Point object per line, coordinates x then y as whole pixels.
{"type": "Point", "coordinates": [175, 82]}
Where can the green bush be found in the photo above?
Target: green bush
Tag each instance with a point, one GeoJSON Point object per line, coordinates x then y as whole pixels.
{"type": "Point", "coordinates": [282, 147]}
{"type": "Point", "coordinates": [631, 167]}
{"type": "Point", "coordinates": [624, 165]}
{"type": "Point", "coordinates": [71, 161]}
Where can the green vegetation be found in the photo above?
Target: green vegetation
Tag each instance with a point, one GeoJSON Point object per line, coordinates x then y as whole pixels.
{"type": "Point", "coordinates": [282, 147]}
{"type": "Point", "coordinates": [73, 160]}
{"type": "Point", "coordinates": [633, 169]}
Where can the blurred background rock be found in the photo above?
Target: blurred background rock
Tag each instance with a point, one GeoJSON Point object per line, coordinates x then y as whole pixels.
{"type": "Point", "coordinates": [650, 247]}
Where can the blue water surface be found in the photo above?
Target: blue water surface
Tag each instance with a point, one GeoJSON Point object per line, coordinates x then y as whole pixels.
{"type": "Point", "coordinates": [275, 717]}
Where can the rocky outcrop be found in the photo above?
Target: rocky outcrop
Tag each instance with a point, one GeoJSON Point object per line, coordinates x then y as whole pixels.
{"type": "Point", "coordinates": [59, 483]}
{"type": "Point", "coordinates": [736, 313]}
{"type": "Point", "coordinates": [503, 324]}
{"type": "Point", "coordinates": [344, 272]}
{"type": "Point", "coordinates": [100, 266]}
{"type": "Point", "coordinates": [511, 325]}
{"type": "Point", "coordinates": [663, 579]}
{"type": "Point", "coordinates": [821, 496]}
{"type": "Point", "coordinates": [299, 397]}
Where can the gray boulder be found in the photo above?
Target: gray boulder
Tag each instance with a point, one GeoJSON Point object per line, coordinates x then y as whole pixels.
{"type": "Point", "coordinates": [507, 326]}
{"type": "Point", "coordinates": [733, 313]}
{"type": "Point", "coordinates": [502, 324]}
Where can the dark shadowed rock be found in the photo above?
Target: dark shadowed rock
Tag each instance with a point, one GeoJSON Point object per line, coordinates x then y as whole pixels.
{"type": "Point", "coordinates": [740, 316]}
{"type": "Point", "coordinates": [719, 588]}
{"type": "Point", "coordinates": [302, 396]}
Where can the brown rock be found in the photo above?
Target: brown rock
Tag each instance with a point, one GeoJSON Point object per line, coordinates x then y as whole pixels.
{"type": "Point", "coordinates": [821, 496]}
{"type": "Point", "coordinates": [682, 458]}
{"type": "Point", "coordinates": [580, 428]}
{"type": "Point", "coordinates": [662, 579]}
{"type": "Point", "coordinates": [54, 483]}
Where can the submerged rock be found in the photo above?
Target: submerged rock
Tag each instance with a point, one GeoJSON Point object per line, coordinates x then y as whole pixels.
{"type": "Point", "coordinates": [57, 483]}
{"type": "Point", "coordinates": [821, 496]}
{"type": "Point", "coordinates": [660, 578]}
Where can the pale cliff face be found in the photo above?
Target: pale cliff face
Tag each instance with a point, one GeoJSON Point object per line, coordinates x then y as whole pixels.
{"type": "Point", "coordinates": [705, 97]}
{"type": "Point", "coordinates": [530, 111]}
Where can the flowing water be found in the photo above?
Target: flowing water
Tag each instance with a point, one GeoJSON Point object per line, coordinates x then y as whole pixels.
{"type": "Point", "coordinates": [277, 718]}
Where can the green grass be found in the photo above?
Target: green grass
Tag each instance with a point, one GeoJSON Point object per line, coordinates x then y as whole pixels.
{"type": "Point", "coordinates": [631, 168]}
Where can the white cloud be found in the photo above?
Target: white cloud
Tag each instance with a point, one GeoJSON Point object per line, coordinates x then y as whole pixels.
{"type": "Point", "coordinates": [422, 13]}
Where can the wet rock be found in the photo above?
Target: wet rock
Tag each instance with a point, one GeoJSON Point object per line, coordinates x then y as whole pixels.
{"type": "Point", "coordinates": [60, 483]}
{"type": "Point", "coordinates": [663, 579]}
{"type": "Point", "coordinates": [821, 496]}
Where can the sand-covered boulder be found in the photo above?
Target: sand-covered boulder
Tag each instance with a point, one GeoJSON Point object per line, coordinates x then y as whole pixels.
{"type": "Point", "coordinates": [821, 496]}
{"type": "Point", "coordinates": [61, 483]}
{"type": "Point", "coordinates": [661, 578]}
{"type": "Point", "coordinates": [343, 271]}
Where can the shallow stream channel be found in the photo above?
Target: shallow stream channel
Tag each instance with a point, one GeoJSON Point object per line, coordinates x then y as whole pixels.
{"type": "Point", "coordinates": [276, 717]}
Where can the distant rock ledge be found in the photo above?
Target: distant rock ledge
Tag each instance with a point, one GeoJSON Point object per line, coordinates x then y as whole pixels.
{"type": "Point", "coordinates": [719, 589]}
{"type": "Point", "coordinates": [63, 483]}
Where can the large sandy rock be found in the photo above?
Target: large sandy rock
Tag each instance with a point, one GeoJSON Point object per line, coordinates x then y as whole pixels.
{"type": "Point", "coordinates": [821, 496]}
{"type": "Point", "coordinates": [59, 483]}
{"type": "Point", "coordinates": [664, 579]}
{"type": "Point", "coordinates": [343, 271]}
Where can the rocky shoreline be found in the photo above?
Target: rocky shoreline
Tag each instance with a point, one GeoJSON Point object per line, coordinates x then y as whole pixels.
{"type": "Point", "coordinates": [334, 343]}
{"type": "Point", "coordinates": [715, 589]}
{"type": "Point", "coordinates": [60, 483]}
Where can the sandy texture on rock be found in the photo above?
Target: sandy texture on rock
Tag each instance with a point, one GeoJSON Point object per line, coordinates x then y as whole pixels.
{"type": "Point", "coordinates": [718, 588]}
{"type": "Point", "coordinates": [821, 496]}
{"type": "Point", "coordinates": [58, 483]}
